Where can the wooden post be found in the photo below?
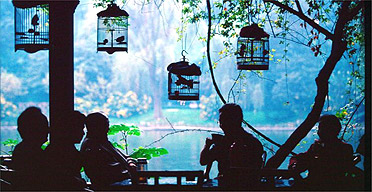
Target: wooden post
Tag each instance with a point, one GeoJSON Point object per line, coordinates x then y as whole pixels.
{"type": "Point", "coordinates": [61, 63]}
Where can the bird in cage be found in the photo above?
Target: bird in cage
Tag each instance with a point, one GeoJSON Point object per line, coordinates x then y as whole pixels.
{"type": "Point", "coordinates": [182, 81]}
{"type": "Point", "coordinates": [104, 42]}
{"type": "Point", "coordinates": [120, 40]}
{"type": "Point", "coordinates": [242, 50]}
{"type": "Point", "coordinates": [34, 22]}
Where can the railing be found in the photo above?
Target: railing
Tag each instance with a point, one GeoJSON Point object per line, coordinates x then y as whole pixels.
{"type": "Point", "coordinates": [266, 179]}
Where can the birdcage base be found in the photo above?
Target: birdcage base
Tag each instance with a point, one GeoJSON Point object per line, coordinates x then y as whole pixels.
{"type": "Point", "coordinates": [253, 67]}
{"type": "Point", "coordinates": [32, 48]}
{"type": "Point", "coordinates": [111, 50]}
{"type": "Point", "coordinates": [182, 97]}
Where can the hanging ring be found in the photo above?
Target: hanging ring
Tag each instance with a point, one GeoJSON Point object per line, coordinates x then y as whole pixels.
{"type": "Point", "coordinates": [183, 54]}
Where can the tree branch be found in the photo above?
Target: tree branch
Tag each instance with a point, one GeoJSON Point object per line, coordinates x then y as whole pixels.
{"type": "Point", "coordinates": [338, 48]}
{"type": "Point", "coordinates": [209, 55]}
{"type": "Point", "coordinates": [311, 22]}
{"type": "Point", "coordinates": [299, 7]}
{"type": "Point", "coordinates": [353, 12]}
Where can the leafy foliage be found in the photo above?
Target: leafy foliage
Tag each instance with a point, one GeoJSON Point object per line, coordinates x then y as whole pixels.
{"type": "Point", "coordinates": [127, 130]}
{"type": "Point", "coordinates": [10, 143]}
{"type": "Point", "coordinates": [148, 153]}
{"type": "Point", "coordinates": [140, 152]}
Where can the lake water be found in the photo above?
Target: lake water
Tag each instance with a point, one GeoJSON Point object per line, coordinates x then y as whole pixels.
{"type": "Point", "coordinates": [184, 148]}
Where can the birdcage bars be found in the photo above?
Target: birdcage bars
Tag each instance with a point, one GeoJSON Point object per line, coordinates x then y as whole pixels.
{"type": "Point", "coordinates": [31, 26]}
{"type": "Point", "coordinates": [112, 29]}
{"type": "Point", "coordinates": [253, 49]}
{"type": "Point", "coordinates": [183, 81]}
{"type": "Point", "coordinates": [183, 87]}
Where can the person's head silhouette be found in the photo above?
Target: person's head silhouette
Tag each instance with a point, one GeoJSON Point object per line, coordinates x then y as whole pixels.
{"type": "Point", "coordinates": [230, 118]}
{"type": "Point", "coordinates": [97, 125]}
{"type": "Point", "coordinates": [78, 124]}
{"type": "Point", "coordinates": [329, 128]}
{"type": "Point", "coordinates": [33, 126]}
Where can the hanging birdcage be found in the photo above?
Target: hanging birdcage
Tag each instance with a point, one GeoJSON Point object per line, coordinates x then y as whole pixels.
{"type": "Point", "coordinates": [183, 81]}
{"type": "Point", "coordinates": [112, 29]}
{"type": "Point", "coordinates": [31, 25]}
{"type": "Point", "coordinates": [253, 49]}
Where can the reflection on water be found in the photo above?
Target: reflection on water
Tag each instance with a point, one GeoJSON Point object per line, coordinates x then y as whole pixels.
{"type": "Point", "coordinates": [184, 148]}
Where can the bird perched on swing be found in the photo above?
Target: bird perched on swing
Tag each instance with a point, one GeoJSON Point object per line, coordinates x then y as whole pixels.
{"type": "Point", "coordinates": [120, 40]}
{"type": "Point", "coordinates": [35, 20]}
{"type": "Point", "coordinates": [182, 81]}
{"type": "Point", "coordinates": [104, 42]}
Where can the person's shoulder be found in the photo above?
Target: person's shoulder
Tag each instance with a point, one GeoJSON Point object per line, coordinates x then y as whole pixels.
{"type": "Point", "coordinates": [21, 149]}
{"type": "Point", "coordinates": [250, 139]}
{"type": "Point", "coordinates": [90, 146]}
{"type": "Point", "coordinates": [346, 146]}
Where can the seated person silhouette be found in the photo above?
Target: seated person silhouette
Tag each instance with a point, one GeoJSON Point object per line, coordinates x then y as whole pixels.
{"type": "Point", "coordinates": [64, 160]}
{"type": "Point", "coordinates": [106, 166]}
{"type": "Point", "coordinates": [28, 157]}
{"type": "Point", "coordinates": [328, 159]}
{"type": "Point", "coordinates": [236, 148]}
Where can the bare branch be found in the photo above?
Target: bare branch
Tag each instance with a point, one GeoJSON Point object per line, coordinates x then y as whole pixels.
{"type": "Point", "coordinates": [311, 22]}
{"type": "Point", "coordinates": [299, 7]}
{"type": "Point", "coordinates": [208, 53]}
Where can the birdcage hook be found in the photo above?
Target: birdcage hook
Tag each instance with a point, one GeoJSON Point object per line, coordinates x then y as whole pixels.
{"type": "Point", "coordinates": [183, 56]}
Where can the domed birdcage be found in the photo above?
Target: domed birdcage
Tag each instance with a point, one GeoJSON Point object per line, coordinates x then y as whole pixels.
{"type": "Point", "coordinates": [112, 29]}
{"type": "Point", "coordinates": [253, 49]}
{"type": "Point", "coordinates": [31, 25]}
{"type": "Point", "coordinates": [183, 81]}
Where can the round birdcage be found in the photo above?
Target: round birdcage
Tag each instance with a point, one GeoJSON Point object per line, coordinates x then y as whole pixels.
{"type": "Point", "coordinates": [31, 25]}
{"type": "Point", "coordinates": [253, 49]}
{"type": "Point", "coordinates": [112, 29]}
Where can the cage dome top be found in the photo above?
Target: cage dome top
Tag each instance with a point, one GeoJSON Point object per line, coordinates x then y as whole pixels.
{"type": "Point", "coordinates": [28, 3]}
{"type": "Point", "coordinates": [184, 68]}
{"type": "Point", "coordinates": [253, 31]}
{"type": "Point", "coordinates": [112, 11]}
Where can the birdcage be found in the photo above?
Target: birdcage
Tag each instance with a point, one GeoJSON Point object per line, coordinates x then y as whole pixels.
{"type": "Point", "coordinates": [253, 49]}
{"type": "Point", "coordinates": [183, 81]}
{"type": "Point", "coordinates": [31, 25]}
{"type": "Point", "coordinates": [112, 29]}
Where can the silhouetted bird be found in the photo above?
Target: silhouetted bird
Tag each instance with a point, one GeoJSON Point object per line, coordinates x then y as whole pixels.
{"type": "Point", "coordinates": [182, 81]}
{"type": "Point", "coordinates": [120, 39]}
{"type": "Point", "coordinates": [35, 20]}
{"type": "Point", "coordinates": [104, 42]}
{"type": "Point", "coordinates": [242, 49]}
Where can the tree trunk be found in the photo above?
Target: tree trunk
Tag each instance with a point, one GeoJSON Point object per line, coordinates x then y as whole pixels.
{"type": "Point", "coordinates": [338, 48]}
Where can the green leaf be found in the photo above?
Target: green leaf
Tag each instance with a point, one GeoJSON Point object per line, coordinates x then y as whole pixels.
{"type": "Point", "coordinates": [118, 145]}
{"type": "Point", "coordinates": [134, 130]}
{"type": "Point", "coordinates": [114, 129]}
{"type": "Point", "coordinates": [148, 153]}
{"type": "Point", "coordinates": [10, 142]}
{"type": "Point", "coordinates": [43, 147]}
